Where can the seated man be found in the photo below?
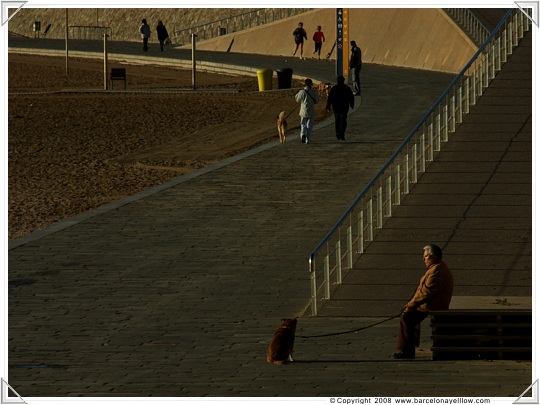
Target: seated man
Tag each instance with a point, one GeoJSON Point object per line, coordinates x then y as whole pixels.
{"type": "Point", "coordinates": [433, 294]}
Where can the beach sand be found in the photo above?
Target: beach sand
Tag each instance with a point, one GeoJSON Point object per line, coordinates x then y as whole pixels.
{"type": "Point", "coordinates": [71, 149]}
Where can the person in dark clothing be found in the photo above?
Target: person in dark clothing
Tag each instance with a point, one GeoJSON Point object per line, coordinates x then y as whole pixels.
{"type": "Point", "coordinates": [145, 32]}
{"type": "Point", "coordinates": [340, 98]}
{"type": "Point", "coordinates": [355, 64]}
{"type": "Point", "coordinates": [162, 34]}
{"type": "Point", "coordinates": [299, 35]}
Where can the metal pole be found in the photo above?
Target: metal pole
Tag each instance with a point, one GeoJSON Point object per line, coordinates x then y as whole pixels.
{"type": "Point", "coordinates": [67, 46]}
{"type": "Point", "coordinates": [105, 61]}
{"type": "Point", "coordinates": [193, 59]}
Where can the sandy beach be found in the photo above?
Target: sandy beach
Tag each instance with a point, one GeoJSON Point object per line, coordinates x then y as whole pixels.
{"type": "Point", "coordinates": [73, 147]}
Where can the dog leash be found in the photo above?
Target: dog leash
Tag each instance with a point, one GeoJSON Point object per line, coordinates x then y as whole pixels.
{"type": "Point", "coordinates": [293, 110]}
{"type": "Point", "coordinates": [350, 331]}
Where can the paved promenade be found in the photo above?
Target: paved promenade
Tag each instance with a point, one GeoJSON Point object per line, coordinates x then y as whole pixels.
{"type": "Point", "coordinates": [177, 291]}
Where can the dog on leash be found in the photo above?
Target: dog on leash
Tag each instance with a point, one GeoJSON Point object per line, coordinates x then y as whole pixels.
{"type": "Point", "coordinates": [282, 127]}
{"type": "Point", "coordinates": [281, 347]}
{"type": "Point", "coordinates": [324, 89]}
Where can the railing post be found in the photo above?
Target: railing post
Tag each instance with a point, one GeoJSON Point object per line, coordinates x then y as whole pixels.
{"type": "Point", "coordinates": [313, 277]}
{"type": "Point", "coordinates": [379, 208]}
{"type": "Point", "coordinates": [487, 68]}
{"type": "Point", "coordinates": [492, 61]}
{"type": "Point", "coordinates": [415, 165]}
{"type": "Point", "coordinates": [473, 89]}
{"type": "Point", "coordinates": [445, 120]}
{"type": "Point", "coordinates": [423, 152]}
{"type": "Point", "coordinates": [349, 247]}
{"type": "Point", "coordinates": [498, 52]}
{"type": "Point", "coordinates": [406, 173]}
{"type": "Point", "coordinates": [338, 263]}
{"type": "Point", "coordinates": [327, 277]}
{"type": "Point", "coordinates": [459, 118]}
{"type": "Point", "coordinates": [510, 47]}
{"type": "Point", "coordinates": [430, 142]}
{"type": "Point", "coordinates": [452, 114]}
{"type": "Point", "coordinates": [438, 132]}
{"type": "Point", "coordinates": [467, 96]}
{"type": "Point", "coordinates": [397, 176]}
{"type": "Point", "coordinates": [361, 232]}
{"type": "Point", "coordinates": [389, 196]}
{"type": "Point", "coordinates": [370, 219]}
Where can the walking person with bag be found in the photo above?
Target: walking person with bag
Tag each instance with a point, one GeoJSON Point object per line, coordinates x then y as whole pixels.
{"type": "Point", "coordinates": [307, 97]}
{"type": "Point", "coordinates": [162, 34]}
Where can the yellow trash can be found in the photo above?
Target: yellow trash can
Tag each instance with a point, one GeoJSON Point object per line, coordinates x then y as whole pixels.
{"type": "Point", "coordinates": [264, 77]}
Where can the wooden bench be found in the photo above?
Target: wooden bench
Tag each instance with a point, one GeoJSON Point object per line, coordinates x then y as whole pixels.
{"type": "Point", "coordinates": [493, 334]}
{"type": "Point", "coordinates": [117, 74]}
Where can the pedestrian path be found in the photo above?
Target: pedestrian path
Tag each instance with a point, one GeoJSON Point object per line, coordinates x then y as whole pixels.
{"type": "Point", "coordinates": [178, 293]}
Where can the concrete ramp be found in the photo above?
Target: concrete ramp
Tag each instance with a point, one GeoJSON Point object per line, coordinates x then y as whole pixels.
{"type": "Point", "coordinates": [414, 38]}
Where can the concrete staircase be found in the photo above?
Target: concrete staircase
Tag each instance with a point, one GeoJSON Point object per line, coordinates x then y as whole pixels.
{"type": "Point", "coordinates": [474, 201]}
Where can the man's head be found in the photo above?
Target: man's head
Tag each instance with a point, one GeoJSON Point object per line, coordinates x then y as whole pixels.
{"type": "Point", "coordinates": [353, 44]}
{"type": "Point", "coordinates": [432, 254]}
{"type": "Point", "coordinates": [300, 25]}
{"type": "Point", "coordinates": [308, 82]}
{"type": "Point", "coordinates": [340, 80]}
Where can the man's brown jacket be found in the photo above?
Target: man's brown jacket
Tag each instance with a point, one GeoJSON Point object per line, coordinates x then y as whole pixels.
{"type": "Point", "coordinates": [435, 290]}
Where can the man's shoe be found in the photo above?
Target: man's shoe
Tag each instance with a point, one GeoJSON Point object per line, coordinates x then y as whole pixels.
{"type": "Point", "coordinates": [402, 356]}
{"type": "Point", "coordinates": [304, 139]}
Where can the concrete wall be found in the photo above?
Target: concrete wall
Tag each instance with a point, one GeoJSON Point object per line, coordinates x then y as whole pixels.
{"type": "Point", "coordinates": [124, 22]}
{"type": "Point", "coordinates": [415, 38]}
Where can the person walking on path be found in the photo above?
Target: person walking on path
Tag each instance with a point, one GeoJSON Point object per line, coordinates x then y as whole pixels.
{"type": "Point", "coordinates": [434, 293]}
{"type": "Point", "coordinates": [340, 99]}
{"type": "Point", "coordinates": [145, 32]}
{"type": "Point", "coordinates": [307, 97]}
{"type": "Point", "coordinates": [355, 64]}
{"type": "Point", "coordinates": [162, 34]}
{"type": "Point", "coordinates": [299, 35]}
{"type": "Point", "coordinates": [318, 37]}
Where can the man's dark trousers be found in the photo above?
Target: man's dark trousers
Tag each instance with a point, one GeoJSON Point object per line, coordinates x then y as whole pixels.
{"type": "Point", "coordinates": [407, 330]}
{"type": "Point", "coordinates": [340, 119]}
{"type": "Point", "coordinates": [356, 80]}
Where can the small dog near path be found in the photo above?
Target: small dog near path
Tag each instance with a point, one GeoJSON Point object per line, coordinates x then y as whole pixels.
{"type": "Point", "coordinates": [281, 347]}
{"type": "Point", "coordinates": [282, 127]}
{"type": "Point", "coordinates": [324, 89]}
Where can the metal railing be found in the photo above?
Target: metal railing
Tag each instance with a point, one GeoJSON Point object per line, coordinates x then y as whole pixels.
{"type": "Point", "coordinates": [348, 239]}
{"type": "Point", "coordinates": [470, 23]}
{"type": "Point", "coordinates": [235, 23]}
{"type": "Point", "coordinates": [89, 32]}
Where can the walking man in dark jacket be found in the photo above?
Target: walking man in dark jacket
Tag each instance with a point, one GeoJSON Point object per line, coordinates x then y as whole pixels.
{"type": "Point", "coordinates": [340, 98]}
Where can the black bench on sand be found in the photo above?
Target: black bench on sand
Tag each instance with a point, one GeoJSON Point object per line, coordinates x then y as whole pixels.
{"type": "Point", "coordinates": [117, 74]}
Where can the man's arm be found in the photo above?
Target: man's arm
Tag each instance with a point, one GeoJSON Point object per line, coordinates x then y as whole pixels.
{"type": "Point", "coordinates": [428, 288]}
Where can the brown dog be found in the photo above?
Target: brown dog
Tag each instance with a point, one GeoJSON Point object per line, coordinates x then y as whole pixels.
{"type": "Point", "coordinates": [281, 347]}
{"type": "Point", "coordinates": [324, 89]}
{"type": "Point", "coordinates": [282, 127]}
